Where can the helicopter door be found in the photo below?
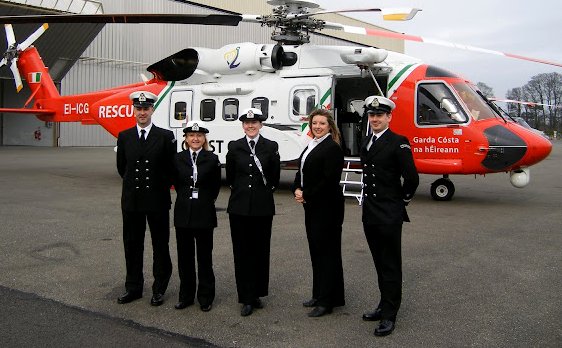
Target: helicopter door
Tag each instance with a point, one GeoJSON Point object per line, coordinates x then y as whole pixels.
{"type": "Point", "coordinates": [180, 108]}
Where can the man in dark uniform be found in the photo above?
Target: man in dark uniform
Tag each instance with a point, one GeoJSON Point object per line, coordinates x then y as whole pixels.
{"type": "Point", "coordinates": [252, 171]}
{"type": "Point", "coordinates": [386, 158]}
{"type": "Point", "coordinates": [144, 161]}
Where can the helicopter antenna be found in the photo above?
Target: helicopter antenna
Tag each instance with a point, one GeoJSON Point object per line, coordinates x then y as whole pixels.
{"type": "Point", "coordinates": [376, 83]}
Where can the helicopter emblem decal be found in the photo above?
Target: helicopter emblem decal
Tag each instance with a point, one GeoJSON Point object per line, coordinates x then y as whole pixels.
{"type": "Point", "coordinates": [232, 57]}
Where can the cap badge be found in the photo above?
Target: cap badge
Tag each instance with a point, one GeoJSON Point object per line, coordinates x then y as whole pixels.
{"type": "Point", "coordinates": [195, 127]}
{"type": "Point", "coordinates": [142, 97]}
{"type": "Point", "coordinates": [250, 114]}
{"type": "Point", "coordinates": [375, 102]}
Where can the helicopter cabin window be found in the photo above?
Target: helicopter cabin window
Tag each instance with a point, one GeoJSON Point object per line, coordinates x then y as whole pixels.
{"type": "Point", "coordinates": [304, 102]}
{"type": "Point", "coordinates": [437, 105]}
{"type": "Point", "coordinates": [180, 110]}
{"type": "Point", "coordinates": [208, 107]}
{"type": "Point", "coordinates": [262, 104]}
{"type": "Point", "coordinates": [230, 109]}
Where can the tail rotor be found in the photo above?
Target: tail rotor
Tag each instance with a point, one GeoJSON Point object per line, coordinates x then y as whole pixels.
{"type": "Point", "coordinates": [13, 50]}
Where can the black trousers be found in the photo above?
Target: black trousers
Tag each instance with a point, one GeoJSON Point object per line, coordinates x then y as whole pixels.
{"type": "Point", "coordinates": [134, 227]}
{"type": "Point", "coordinates": [188, 241]}
{"type": "Point", "coordinates": [323, 231]}
{"type": "Point", "coordinates": [385, 243]}
{"type": "Point", "coordinates": [251, 239]}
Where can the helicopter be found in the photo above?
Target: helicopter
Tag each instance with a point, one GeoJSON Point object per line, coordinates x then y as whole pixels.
{"type": "Point", "coordinates": [452, 127]}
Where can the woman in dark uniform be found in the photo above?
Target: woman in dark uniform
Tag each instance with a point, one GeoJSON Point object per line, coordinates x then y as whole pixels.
{"type": "Point", "coordinates": [252, 171]}
{"type": "Point", "coordinates": [197, 183]}
{"type": "Point", "coordinates": [317, 188]}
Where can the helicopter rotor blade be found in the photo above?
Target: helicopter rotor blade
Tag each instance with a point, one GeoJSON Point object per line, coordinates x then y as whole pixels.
{"type": "Point", "coordinates": [210, 19]}
{"type": "Point", "coordinates": [388, 14]}
{"type": "Point", "coordinates": [31, 38]}
{"type": "Point", "coordinates": [10, 36]}
{"type": "Point", "coordinates": [16, 72]}
{"type": "Point", "coordinates": [407, 37]}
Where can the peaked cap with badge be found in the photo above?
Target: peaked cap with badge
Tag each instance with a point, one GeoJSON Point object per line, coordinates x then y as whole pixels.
{"type": "Point", "coordinates": [376, 104]}
{"type": "Point", "coordinates": [143, 99]}
{"type": "Point", "coordinates": [252, 114]}
{"type": "Point", "coordinates": [196, 126]}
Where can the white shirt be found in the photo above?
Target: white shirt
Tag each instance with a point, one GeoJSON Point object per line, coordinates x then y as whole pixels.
{"type": "Point", "coordinates": [146, 129]}
{"type": "Point", "coordinates": [310, 147]}
{"type": "Point", "coordinates": [255, 140]}
{"type": "Point", "coordinates": [374, 138]}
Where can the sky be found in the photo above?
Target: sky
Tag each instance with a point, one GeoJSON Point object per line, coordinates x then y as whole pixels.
{"type": "Point", "coordinates": [527, 28]}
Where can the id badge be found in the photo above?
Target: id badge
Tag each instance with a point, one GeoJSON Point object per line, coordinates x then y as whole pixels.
{"type": "Point", "coordinates": [195, 193]}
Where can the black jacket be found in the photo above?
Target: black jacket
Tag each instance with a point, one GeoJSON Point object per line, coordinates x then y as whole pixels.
{"type": "Point", "coordinates": [388, 160]}
{"type": "Point", "coordinates": [322, 174]}
{"type": "Point", "coordinates": [200, 212]}
{"type": "Point", "coordinates": [146, 169]}
{"type": "Point", "coordinates": [249, 195]}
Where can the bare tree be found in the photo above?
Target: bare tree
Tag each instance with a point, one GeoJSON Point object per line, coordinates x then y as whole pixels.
{"type": "Point", "coordinates": [485, 89]}
{"type": "Point", "coordinates": [544, 89]}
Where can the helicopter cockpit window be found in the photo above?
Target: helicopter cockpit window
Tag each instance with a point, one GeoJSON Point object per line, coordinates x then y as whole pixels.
{"type": "Point", "coordinates": [261, 103]}
{"type": "Point", "coordinates": [230, 109]}
{"type": "Point", "coordinates": [180, 111]}
{"type": "Point", "coordinates": [477, 106]}
{"type": "Point", "coordinates": [304, 102]}
{"type": "Point", "coordinates": [436, 105]}
{"type": "Point", "coordinates": [208, 107]}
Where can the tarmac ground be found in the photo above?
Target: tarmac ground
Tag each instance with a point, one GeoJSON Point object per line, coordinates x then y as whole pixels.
{"type": "Point", "coordinates": [482, 270]}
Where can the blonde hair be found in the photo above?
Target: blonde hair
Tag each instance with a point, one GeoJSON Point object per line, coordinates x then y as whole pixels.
{"type": "Point", "coordinates": [205, 145]}
{"type": "Point", "coordinates": [334, 131]}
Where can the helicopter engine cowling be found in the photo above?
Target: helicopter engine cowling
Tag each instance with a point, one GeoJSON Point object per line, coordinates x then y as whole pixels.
{"type": "Point", "coordinates": [240, 58]}
{"type": "Point", "coordinates": [520, 178]}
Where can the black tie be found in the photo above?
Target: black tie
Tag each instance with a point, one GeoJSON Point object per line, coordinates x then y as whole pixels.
{"type": "Point", "coordinates": [252, 144]}
{"type": "Point", "coordinates": [143, 137]}
{"type": "Point", "coordinates": [194, 155]}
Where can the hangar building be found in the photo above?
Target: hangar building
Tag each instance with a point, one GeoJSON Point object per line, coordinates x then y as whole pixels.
{"type": "Point", "coordinates": [88, 57]}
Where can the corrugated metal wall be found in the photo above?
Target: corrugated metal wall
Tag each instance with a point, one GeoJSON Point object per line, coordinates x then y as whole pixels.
{"type": "Point", "coordinates": [128, 49]}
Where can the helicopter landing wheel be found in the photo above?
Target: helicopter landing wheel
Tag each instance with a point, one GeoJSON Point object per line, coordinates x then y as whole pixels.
{"type": "Point", "coordinates": [442, 189]}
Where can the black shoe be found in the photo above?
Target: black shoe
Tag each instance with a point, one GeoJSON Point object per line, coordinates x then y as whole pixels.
{"type": "Point", "coordinates": [320, 311]}
{"type": "Point", "coordinates": [206, 307]}
{"type": "Point", "coordinates": [247, 309]}
{"type": "Point", "coordinates": [181, 304]}
{"type": "Point", "coordinates": [310, 303]}
{"type": "Point", "coordinates": [129, 296]}
{"type": "Point", "coordinates": [373, 316]}
{"type": "Point", "coordinates": [385, 328]}
{"type": "Point", "coordinates": [157, 300]}
{"type": "Point", "coordinates": [258, 304]}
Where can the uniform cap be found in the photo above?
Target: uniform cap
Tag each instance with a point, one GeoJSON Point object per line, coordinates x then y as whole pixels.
{"type": "Point", "coordinates": [143, 99]}
{"type": "Point", "coordinates": [377, 105]}
{"type": "Point", "coordinates": [196, 126]}
{"type": "Point", "coordinates": [252, 114]}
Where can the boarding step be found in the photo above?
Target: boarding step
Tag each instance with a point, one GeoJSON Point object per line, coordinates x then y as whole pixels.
{"type": "Point", "coordinates": [352, 182]}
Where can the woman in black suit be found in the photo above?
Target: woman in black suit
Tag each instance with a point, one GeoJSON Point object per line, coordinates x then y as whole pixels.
{"type": "Point", "coordinates": [252, 171]}
{"type": "Point", "coordinates": [317, 188]}
{"type": "Point", "coordinates": [197, 182]}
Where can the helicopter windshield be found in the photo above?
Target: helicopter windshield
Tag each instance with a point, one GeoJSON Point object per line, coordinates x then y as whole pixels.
{"type": "Point", "coordinates": [474, 103]}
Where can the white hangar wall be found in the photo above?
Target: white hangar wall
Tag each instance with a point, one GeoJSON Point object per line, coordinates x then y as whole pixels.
{"type": "Point", "coordinates": [121, 52]}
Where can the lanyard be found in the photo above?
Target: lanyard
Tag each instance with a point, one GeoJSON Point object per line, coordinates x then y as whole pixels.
{"type": "Point", "coordinates": [258, 164]}
{"type": "Point", "coordinates": [193, 161]}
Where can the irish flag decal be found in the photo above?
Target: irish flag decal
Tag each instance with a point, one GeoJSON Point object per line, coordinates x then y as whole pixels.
{"type": "Point", "coordinates": [35, 77]}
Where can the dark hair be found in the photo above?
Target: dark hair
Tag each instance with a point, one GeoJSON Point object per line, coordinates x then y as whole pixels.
{"type": "Point", "coordinates": [333, 128]}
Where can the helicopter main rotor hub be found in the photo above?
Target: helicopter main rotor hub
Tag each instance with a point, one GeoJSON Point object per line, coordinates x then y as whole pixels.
{"type": "Point", "coordinates": [292, 22]}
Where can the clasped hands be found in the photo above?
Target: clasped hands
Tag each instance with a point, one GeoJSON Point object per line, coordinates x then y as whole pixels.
{"type": "Point", "coordinates": [298, 196]}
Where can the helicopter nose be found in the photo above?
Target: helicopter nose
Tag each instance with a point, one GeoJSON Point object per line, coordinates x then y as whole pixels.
{"type": "Point", "coordinates": [514, 147]}
{"type": "Point", "coordinates": [539, 148]}
{"type": "Point", "coordinates": [505, 148]}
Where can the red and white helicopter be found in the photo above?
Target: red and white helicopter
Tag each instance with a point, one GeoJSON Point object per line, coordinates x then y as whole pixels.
{"type": "Point", "coordinates": [452, 127]}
